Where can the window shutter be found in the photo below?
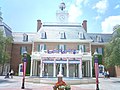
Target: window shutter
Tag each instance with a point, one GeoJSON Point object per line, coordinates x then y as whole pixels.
{"type": "Point", "coordinates": [20, 50]}
{"type": "Point", "coordinates": [58, 47]}
{"type": "Point", "coordinates": [78, 47]}
{"type": "Point", "coordinates": [38, 48]}
{"type": "Point", "coordinates": [84, 48]}
{"type": "Point", "coordinates": [64, 47]}
{"type": "Point", "coordinates": [44, 46]}
{"type": "Point", "coordinates": [97, 50]}
{"type": "Point", "coordinates": [102, 51]}
{"type": "Point", "coordinates": [26, 48]}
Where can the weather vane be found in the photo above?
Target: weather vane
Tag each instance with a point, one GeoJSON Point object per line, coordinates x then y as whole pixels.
{"type": "Point", "coordinates": [62, 5]}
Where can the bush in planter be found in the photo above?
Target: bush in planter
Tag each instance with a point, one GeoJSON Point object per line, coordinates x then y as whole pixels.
{"type": "Point", "coordinates": [67, 87]}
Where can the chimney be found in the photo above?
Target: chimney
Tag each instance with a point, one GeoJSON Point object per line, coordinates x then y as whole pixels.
{"type": "Point", "coordinates": [84, 24]}
{"type": "Point", "coordinates": [39, 24]}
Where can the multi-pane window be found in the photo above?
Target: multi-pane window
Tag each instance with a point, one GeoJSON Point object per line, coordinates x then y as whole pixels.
{"type": "Point", "coordinates": [81, 47]}
{"type": "Point", "coordinates": [43, 35]}
{"type": "Point", "coordinates": [100, 50]}
{"type": "Point", "coordinates": [99, 39]}
{"type": "Point", "coordinates": [25, 37]}
{"type": "Point", "coordinates": [81, 35]}
{"type": "Point", "coordinates": [62, 47]}
{"type": "Point", "coordinates": [41, 47]}
{"type": "Point", "coordinates": [62, 35]}
{"type": "Point", "coordinates": [23, 49]}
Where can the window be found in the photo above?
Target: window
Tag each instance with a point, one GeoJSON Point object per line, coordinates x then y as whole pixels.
{"type": "Point", "coordinates": [62, 47]}
{"type": "Point", "coordinates": [81, 47]}
{"type": "Point", "coordinates": [100, 50]}
{"type": "Point", "coordinates": [41, 47]}
{"type": "Point", "coordinates": [99, 39]}
{"type": "Point", "coordinates": [25, 37]}
{"type": "Point", "coordinates": [81, 35]}
{"type": "Point", "coordinates": [62, 35]}
{"type": "Point", "coordinates": [23, 49]}
{"type": "Point", "coordinates": [43, 35]}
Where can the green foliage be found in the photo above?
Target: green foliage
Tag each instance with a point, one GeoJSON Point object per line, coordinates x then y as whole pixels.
{"type": "Point", "coordinates": [112, 50]}
{"type": "Point", "coordinates": [28, 64]}
{"type": "Point", "coordinates": [4, 44]}
{"type": "Point", "coordinates": [100, 61]}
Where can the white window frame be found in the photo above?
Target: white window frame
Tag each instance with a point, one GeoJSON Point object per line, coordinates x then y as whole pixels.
{"type": "Point", "coordinates": [23, 49]}
{"type": "Point", "coordinates": [62, 35]}
{"type": "Point", "coordinates": [42, 34]}
{"type": "Point", "coordinates": [25, 37]}
{"type": "Point", "coordinates": [42, 46]}
{"type": "Point", "coordinates": [100, 50]}
{"type": "Point", "coordinates": [81, 47]}
{"type": "Point", "coordinates": [99, 39]}
{"type": "Point", "coordinates": [81, 35]}
{"type": "Point", "coordinates": [62, 47]}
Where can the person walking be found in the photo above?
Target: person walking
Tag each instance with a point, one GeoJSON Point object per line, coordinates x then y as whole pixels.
{"type": "Point", "coordinates": [11, 73]}
{"type": "Point", "coordinates": [105, 74]}
{"type": "Point", "coordinates": [108, 75]}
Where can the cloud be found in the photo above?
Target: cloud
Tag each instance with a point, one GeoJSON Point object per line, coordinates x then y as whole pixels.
{"type": "Point", "coordinates": [97, 17]}
{"type": "Point", "coordinates": [101, 6]}
{"type": "Point", "coordinates": [117, 6]}
{"type": "Point", "coordinates": [109, 23]}
{"type": "Point", "coordinates": [75, 10]}
{"type": "Point", "coordinates": [74, 13]}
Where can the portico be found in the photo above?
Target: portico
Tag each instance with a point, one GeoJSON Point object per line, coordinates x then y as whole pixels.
{"type": "Point", "coordinates": [49, 65]}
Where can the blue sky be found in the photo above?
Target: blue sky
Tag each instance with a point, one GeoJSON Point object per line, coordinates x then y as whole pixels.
{"type": "Point", "coordinates": [22, 15]}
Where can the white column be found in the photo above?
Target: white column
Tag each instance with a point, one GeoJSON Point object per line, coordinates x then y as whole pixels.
{"type": "Point", "coordinates": [54, 68]}
{"type": "Point", "coordinates": [41, 68]}
{"type": "Point", "coordinates": [86, 67]}
{"type": "Point", "coordinates": [80, 69]}
{"type": "Point", "coordinates": [90, 49]}
{"type": "Point", "coordinates": [36, 67]}
{"type": "Point", "coordinates": [60, 68]}
{"type": "Point", "coordinates": [67, 67]}
{"type": "Point", "coordinates": [31, 68]}
{"type": "Point", "coordinates": [90, 67]}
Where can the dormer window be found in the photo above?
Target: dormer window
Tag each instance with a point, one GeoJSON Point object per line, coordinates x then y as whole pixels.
{"type": "Point", "coordinates": [81, 35]}
{"type": "Point", "coordinates": [25, 37]}
{"type": "Point", "coordinates": [43, 35]}
{"type": "Point", "coordinates": [62, 35]}
{"type": "Point", "coordinates": [99, 39]}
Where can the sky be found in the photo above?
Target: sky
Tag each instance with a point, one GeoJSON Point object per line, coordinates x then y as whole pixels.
{"type": "Point", "coordinates": [22, 15]}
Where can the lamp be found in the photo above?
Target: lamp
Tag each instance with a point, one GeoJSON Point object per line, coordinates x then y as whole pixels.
{"type": "Point", "coordinates": [24, 68]}
{"type": "Point", "coordinates": [96, 69]}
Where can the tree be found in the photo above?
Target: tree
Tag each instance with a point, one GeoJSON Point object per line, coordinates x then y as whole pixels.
{"type": "Point", "coordinates": [112, 50]}
{"type": "Point", "coordinates": [4, 53]}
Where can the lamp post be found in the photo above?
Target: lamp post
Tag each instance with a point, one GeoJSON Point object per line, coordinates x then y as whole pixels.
{"type": "Point", "coordinates": [24, 69]}
{"type": "Point", "coordinates": [96, 70]}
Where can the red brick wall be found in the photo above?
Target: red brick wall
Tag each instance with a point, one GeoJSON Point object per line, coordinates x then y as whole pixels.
{"type": "Point", "coordinates": [16, 56]}
{"type": "Point", "coordinates": [117, 69]}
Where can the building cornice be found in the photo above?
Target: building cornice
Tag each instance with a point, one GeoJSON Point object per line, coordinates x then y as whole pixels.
{"type": "Point", "coordinates": [63, 40]}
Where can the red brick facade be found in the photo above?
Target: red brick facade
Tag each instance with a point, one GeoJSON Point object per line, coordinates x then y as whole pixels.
{"type": "Point", "coordinates": [16, 56]}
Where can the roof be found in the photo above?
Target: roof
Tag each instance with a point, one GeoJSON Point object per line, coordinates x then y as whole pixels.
{"type": "Point", "coordinates": [18, 36]}
{"type": "Point", "coordinates": [104, 37]}
{"type": "Point", "coordinates": [6, 29]}
{"type": "Point", "coordinates": [71, 31]}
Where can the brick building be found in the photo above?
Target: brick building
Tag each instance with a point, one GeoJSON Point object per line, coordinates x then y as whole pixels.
{"type": "Point", "coordinates": [59, 46]}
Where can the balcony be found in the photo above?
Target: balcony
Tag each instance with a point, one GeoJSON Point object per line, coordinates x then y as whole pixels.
{"type": "Point", "coordinates": [61, 54]}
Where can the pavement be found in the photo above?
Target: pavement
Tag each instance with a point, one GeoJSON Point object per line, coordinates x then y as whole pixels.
{"type": "Point", "coordinates": [16, 83]}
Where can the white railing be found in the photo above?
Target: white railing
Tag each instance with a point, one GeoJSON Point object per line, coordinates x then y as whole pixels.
{"type": "Point", "coordinates": [60, 52]}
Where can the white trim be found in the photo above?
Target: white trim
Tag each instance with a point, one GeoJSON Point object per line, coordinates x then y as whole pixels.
{"type": "Point", "coordinates": [63, 40]}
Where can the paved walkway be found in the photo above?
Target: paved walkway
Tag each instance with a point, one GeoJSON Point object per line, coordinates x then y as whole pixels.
{"type": "Point", "coordinates": [16, 82]}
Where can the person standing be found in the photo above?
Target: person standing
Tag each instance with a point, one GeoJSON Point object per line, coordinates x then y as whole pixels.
{"type": "Point", "coordinates": [11, 73]}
